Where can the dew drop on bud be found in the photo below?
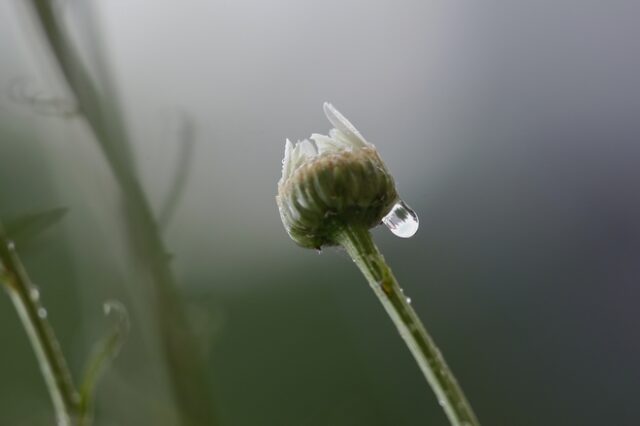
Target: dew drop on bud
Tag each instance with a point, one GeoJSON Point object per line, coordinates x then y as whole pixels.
{"type": "Point", "coordinates": [42, 313]}
{"type": "Point", "coordinates": [401, 220]}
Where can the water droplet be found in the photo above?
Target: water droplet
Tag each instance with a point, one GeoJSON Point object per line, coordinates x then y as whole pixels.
{"type": "Point", "coordinates": [402, 220]}
{"type": "Point", "coordinates": [408, 300]}
{"type": "Point", "coordinates": [34, 294]}
{"type": "Point", "coordinates": [42, 313]}
{"type": "Point", "coordinates": [11, 245]}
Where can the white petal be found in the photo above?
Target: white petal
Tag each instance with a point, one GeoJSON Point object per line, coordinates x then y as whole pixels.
{"type": "Point", "coordinates": [327, 144]}
{"type": "Point", "coordinates": [302, 152]}
{"type": "Point", "coordinates": [308, 149]}
{"type": "Point", "coordinates": [343, 140]}
{"type": "Point", "coordinates": [286, 162]}
{"type": "Point", "coordinates": [296, 157]}
{"type": "Point", "coordinates": [343, 125]}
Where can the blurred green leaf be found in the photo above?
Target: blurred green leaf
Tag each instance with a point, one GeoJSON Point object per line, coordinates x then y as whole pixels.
{"type": "Point", "coordinates": [28, 226]}
{"type": "Point", "coordinates": [104, 352]}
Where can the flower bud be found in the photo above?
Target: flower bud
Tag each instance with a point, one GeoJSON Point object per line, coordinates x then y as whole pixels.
{"type": "Point", "coordinates": [333, 181]}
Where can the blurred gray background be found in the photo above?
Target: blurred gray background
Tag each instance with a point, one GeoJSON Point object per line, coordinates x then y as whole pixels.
{"type": "Point", "coordinates": [512, 128]}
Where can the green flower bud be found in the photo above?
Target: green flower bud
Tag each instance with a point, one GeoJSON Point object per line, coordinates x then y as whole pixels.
{"type": "Point", "coordinates": [333, 181]}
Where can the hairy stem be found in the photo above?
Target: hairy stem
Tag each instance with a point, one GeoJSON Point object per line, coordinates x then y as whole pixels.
{"type": "Point", "coordinates": [25, 298]}
{"type": "Point", "coordinates": [362, 249]}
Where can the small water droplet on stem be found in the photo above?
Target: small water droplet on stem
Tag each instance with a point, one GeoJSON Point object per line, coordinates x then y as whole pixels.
{"type": "Point", "coordinates": [34, 294]}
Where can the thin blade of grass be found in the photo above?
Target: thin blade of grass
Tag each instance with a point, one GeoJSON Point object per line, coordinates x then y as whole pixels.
{"type": "Point", "coordinates": [104, 352]}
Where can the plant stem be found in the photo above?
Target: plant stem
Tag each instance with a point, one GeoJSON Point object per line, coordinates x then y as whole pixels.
{"type": "Point", "coordinates": [187, 370]}
{"type": "Point", "coordinates": [25, 298]}
{"type": "Point", "coordinates": [363, 251]}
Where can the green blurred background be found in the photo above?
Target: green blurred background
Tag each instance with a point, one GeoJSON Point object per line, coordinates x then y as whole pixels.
{"type": "Point", "coordinates": [511, 128]}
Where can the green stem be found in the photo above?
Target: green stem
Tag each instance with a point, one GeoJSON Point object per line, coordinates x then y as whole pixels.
{"type": "Point", "coordinates": [186, 368]}
{"type": "Point", "coordinates": [360, 246]}
{"type": "Point", "coordinates": [54, 368]}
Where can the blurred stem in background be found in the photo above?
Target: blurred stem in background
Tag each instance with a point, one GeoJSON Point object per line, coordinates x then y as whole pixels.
{"type": "Point", "coordinates": [360, 246]}
{"type": "Point", "coordinates": [185, 366]}
{"type": "Point", "coordinates": [71, 407]}
{"type": "Point", "coordinates": [26, 299]}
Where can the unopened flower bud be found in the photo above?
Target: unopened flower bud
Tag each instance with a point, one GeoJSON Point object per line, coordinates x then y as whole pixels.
{"type": "Point", "coordinates": [329, 182]}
